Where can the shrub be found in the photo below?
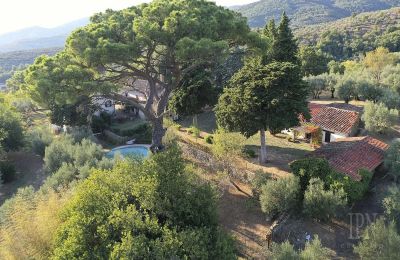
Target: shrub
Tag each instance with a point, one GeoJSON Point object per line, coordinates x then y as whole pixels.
{"type": "Point", "coordinates": [379, 241]}
{"type": "Point", "coordinates": [259, 179]}
{"type": "Point", "coordinates": [177, 127]}
{"type": "Point", "coordinates": [284, 251]}
{"type": "Point", "coordinates": [312, 251]}
{"type": "Point", "coordinates": [378, 118]}
{"type": "Point", "coordinates": [142, 133]}
{"type": "Point", "coordinates": [392, 159]}
{"type": "Point", "coordinates": [11, 128]}
{"type": "Point", "coordinates": [79, 133]}
{"type": "Point", "coordinates": [101, 122]}
{"type": "Point", "coordinates": [323, 204]}
{"type": "Point", "coordinates": [7, 172]}
{"type": "Point", "coordinates": [390, 98]}
{"type": "Point", "coordinates": [171, 216]}
{"type": "Point", "coordinates": [249, 153]}
{"type": "Point", "coordinates": [315, 251]}
{"type": "Point", "coordinates": [209, 139]}
{"type": "Point", "coordinates": [346, 89]}
{"type": "Point", "coordinates": [278, 196]}
{"type": "Point", "coordinates": [195, 131]}
{"type": "Point", "coordinates": [63, 150]}
{"type": "Point", "coordinates": [32, 223]}
{"type": "Point", "coordinates": [309, 168]}
{"type": "Point", "coordinates": [391, 204]}
{"type": "Point", "coordinates": [39, 138]}
{"type": "Point", "coordinates": [227, 144]}
{"type": "Point", "coordinates": [369, 91]}
{"type": "Point", "coordinates": [355, 190]}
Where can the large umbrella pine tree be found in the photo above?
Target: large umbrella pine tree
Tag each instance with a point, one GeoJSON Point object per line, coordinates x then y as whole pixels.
{"type": "Point", "coordinates": [158, 43]}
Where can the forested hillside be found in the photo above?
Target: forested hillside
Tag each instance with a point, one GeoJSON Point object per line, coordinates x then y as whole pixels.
{"type": "Point", "coordinates": [16, 58]}
{"type": "Point", "coordinates": [12, 61]}
{"type": "Point", "coordinates": [355, 35]}
{"type": "Point", "coordinates": [303, 12]}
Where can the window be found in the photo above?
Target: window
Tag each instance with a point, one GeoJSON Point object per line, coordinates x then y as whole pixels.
{"type": "Point", "coordinates": [108, 103]}
{"type": "Point", "coordinates": [327, 137]}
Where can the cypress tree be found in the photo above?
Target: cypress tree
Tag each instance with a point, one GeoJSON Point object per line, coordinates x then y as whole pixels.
{"type": "Point", "coordinates": [284, 47]}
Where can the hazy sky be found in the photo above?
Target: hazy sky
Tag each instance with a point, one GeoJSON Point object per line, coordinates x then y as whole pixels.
{"type": "Point", "coordinates": [17, 14]}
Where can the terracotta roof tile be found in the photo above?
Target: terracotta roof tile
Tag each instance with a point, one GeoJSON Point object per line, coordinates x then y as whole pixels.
{"type": "Point", "coordinates": [348, 107]}
{"type": "Point", "coordinates": [333, 119]}
{"type": "Point", "coordinates": [349, 155]}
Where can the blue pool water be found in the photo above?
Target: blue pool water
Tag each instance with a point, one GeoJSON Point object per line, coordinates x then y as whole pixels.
{"type": "Point", "coordinates": [129, 150]}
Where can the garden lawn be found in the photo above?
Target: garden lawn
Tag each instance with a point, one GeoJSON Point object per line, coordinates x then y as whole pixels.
{"type": "Point", "coordinates": [206, 121]}
{"type": "Point", "coordinates": [128, 125]}
{"type": "Point", "coordinates": [29, 173]}
{"type": "Point", "coordinates": [280, 152]}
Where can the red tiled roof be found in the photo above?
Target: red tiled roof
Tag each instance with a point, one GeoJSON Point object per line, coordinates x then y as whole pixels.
{"type": "Point", "coordinates": [345, 106]}
{"type": "Point", "coordinates": [349, 155]}
{"type": "Point", "coordinates": [314, 108]}
{"type": "Point", "coordinates": [333, 119]}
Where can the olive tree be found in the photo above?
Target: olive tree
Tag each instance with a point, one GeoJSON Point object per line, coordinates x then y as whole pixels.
{"type": "Point", "coordinates": [379, 118]}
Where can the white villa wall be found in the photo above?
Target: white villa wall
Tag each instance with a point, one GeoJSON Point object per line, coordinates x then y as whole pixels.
{"type": "Point", "coordinates": [334, 136]}
{"type": "Point", "coordinates": [101, 102]}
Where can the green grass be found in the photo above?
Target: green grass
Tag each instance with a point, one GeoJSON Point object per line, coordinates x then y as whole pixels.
{"type": "Point", "coordinates": [130, 124]}
{"type": "Point", "coordinates": [206, 122]}
{"type": "Point", "coordinates": [279, 150]}
{"type": "Point", "coordinates": [279, 141]}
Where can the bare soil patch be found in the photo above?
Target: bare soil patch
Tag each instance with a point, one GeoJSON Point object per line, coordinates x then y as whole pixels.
{"type": "Point", "coordinates": [29, 172]}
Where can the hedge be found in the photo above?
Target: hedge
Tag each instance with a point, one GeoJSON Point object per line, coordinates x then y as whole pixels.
{"type": "Point", "coordinates": [319, 168]}
{"type": "Point", "coordinates": [142, 133]}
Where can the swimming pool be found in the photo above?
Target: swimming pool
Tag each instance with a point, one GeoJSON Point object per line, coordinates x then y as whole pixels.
{"type": "Point", "coordinates": [129, 150]}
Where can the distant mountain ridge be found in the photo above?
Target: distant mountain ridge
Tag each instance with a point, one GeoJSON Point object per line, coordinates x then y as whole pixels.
{"type": "Point", "coordinates": [308, 12]}
{"type": "Point", "coordinates": [38, 37]}
{"type": "Point", "coordinates": [361, 27]}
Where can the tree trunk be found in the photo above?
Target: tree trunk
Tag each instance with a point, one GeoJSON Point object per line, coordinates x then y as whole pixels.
{"type": "Point", "coordinates": [263, 151]}
{"type": "Point", "coordinates": [157, 135]}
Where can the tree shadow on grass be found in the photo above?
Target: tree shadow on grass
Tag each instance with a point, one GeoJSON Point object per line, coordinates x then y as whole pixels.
{"type": "Point", "coordinates": [279, 157]}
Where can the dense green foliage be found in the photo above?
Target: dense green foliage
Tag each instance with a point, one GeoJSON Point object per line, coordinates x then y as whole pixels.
{"type": "Point", "coordinates": [39, 138]}
{"type": "Point", "coordinates": [64, 150]}
{"type": "Point", "coordinates": [227, 145]}
{"type": "Point", "coordinates": [153, 210]}
{"type": "Point", "coordinates": [280, 196]}
{"type": "Point", "coordinates": [259, 179]}
{"type": "Point", "coordinates": [309, 12]}
{"type": "Point", "coordinates": [379, 118]}
{"type": "Point", "coordinates": [141, 132]}
{"type": "Point", "coordinates": [379, 241]}
{"type": "Point", "coordinates": [392, 159]}
{"type": "Point", "coordinates": [7, 172]}
{"type": "Point", "coordinates": [8, 60]}
{"type": "Point", "coordinates": [355, 35]}
{"type": "Point", "coordinates": [159, 43]}
{"type": "Point", "coordinates": [10, 128]}
{"type": "Point", "coordinates": [197, 91]}
{"type": "Point", "coordinates": [312, 251]}
{"type": "Point", "coordinates": [391, 204]}
{"type": "Point", "coordinates": [323, 204]}
{"type": "Point", "coordinates": [313, 62]}
{"type": "Point", "coordinates": [310, 168]}
{"type": "Point", "coordinates": [29, 223]}
{"type": "Point", "coordinates": [262, 97]}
